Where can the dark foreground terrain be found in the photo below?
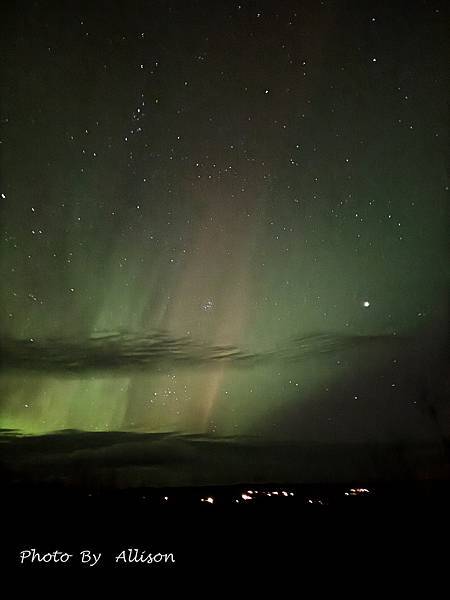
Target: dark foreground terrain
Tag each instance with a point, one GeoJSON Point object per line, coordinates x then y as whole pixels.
{"type": "Point", "coordinates": [222, 529]}
{"type": "Point", "coordinates": [174, 503]}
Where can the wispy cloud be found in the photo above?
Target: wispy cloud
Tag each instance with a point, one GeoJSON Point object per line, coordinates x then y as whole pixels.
{"type": "Point", "coordinates": [124, 351]}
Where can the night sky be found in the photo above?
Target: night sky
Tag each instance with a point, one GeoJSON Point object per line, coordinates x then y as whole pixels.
{"type": "Point", "coordinates": [220, 181]}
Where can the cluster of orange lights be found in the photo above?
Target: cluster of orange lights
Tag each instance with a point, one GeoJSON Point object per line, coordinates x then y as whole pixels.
{"type": "Point", "coordinates": [357, 492]}
{"type": "Point", "coordinates": [251, 495]}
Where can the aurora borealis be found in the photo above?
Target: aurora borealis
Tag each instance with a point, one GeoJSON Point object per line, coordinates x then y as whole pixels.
{"type": "Point", "coordinates": [259, 181]}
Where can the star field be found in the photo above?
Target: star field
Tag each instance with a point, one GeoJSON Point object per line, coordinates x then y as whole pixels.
{"type": "Point", "coordinates": [233, 174]}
